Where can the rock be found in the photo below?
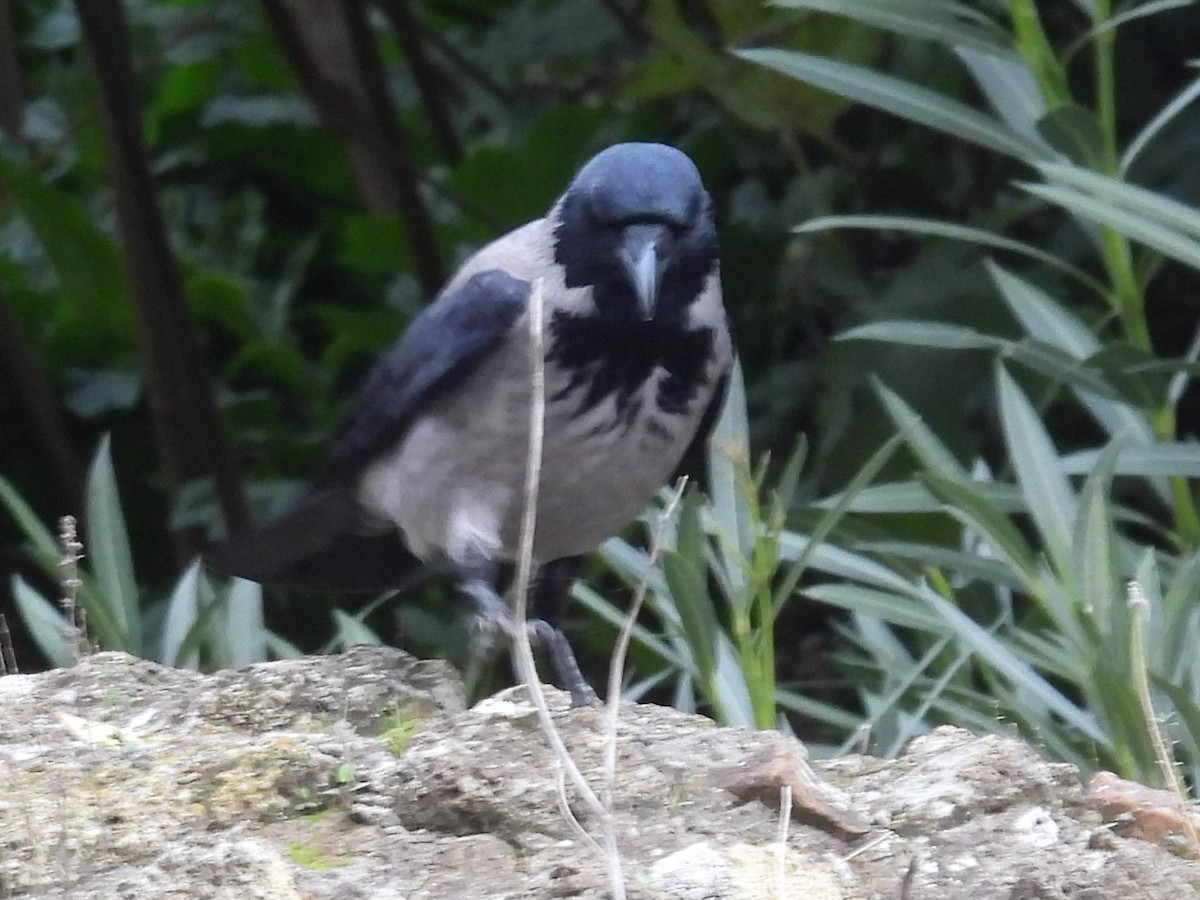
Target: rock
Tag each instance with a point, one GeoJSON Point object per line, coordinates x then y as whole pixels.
{"type": "Point", "coordinates": [363, 776]}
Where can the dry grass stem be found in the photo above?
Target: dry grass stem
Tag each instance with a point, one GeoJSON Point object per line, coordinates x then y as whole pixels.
{"type": "Point", "coordinates": [522, 650]}
{"type": "Point", "coordinates": [1140, 612]}
{"type": "Point", "coordinates": [72, 552]}
{"type": "Point", "coordinates": [8, 659]}
{"type": "Point", "coordinates": [616, 668]}
{"type": "Point", "coordinates": [785, 821]}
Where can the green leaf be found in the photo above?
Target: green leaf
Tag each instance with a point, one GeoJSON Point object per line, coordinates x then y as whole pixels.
{"type": "Point", "coordinates": [999, 657]}
{"type": "Point", "coordinates": [182, 613]}
{"type": "Point", "coordinates": [44, 542]}
{"type": "Point", "coordinates": [897, 609]}
{"type": "Point", "coordinates": [971, 507]}
{"type": "Point", "coordinates": [245, 629]}
{"type": "Point", "coordinates": [1010, 87]}
{"type": "Point", "coordinates": [1093, 550]}
{"type": "Point", "coordinates": [902, 98]}
{"type": "Point", "coordinates": [937, 335]}
{"type": "Point", "coordinates": [615, 617]}
{"type": "Point", "coordinates": [943, 21]}
{"type": "Point", "coordinates": [830, 517]}
{"type": "Point", "coordinates": [728, 459]}
{"type": "Point", "coordinates": [953, 231]}
{"type": "Point", "coordinates": [915, 497]}
{"type": "Point", "coordinates": [697, 616]}
{"type": "Point", "coordinates": [45, 623]}
{"type": "Point", "coordinates": [1164, 117]}
{"type": "Point", "coordinates": [1168, 226]}
{"type": "Point", "coordinates": [929, 449]}
{"type": "Point", "coordinates": [1048, 322]}
{"type": "Point", "coordinates": [350, 632]}
{"type": "Point", "coordinates": [1048, 495]}
{"type": "Point", "coordinates": [1075, 132]}
{"type": "Point", "coordinates": [108, 551]}
{"type": "Point", "coordinates": [1158, 460]}
{"type": "Point", "coordinates": [1175, 650]}
{"type": "Point", "coordinates": [85, 260]}
{"type": "Point", "coordinates": [973, 566]}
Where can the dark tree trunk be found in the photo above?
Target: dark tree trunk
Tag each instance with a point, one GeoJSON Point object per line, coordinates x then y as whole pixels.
{"type": "Point", "coordinates": [24, 380]}
{"type": "Point", "coordinates": [330, 48]}
{"type": "Point", "coordinates": [185, 420]}
{"type": "Point", "coordinates": [12, 90]}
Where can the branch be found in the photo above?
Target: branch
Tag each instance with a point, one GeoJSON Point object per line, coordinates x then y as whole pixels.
{"type": "Point", "coordinates": [329, 46]}
{"type": "Point", "coordinates": [430, 82]}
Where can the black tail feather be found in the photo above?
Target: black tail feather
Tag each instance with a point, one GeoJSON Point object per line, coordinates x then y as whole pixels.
{"type": "Point", "coordinates": [320, 545]}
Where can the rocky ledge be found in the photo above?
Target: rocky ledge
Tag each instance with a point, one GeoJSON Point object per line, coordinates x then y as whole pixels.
{"type": "Point", "coordinates": [363, 776]}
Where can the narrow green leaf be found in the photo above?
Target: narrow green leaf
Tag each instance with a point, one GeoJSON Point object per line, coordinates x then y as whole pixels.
{"type": "Point", "coordinates": [728, 458]}
{"type": "Point", "coordinates": [841, 563]}
{"type": "Point", "coordinates": [829, 518]}
{"type": "Point", "coordinates": [1010, 88]}
{"type": "Point", "coordinates": [690, 598]}
{"type": "Point", "coordinates": [962, 565]}
{"type": "Point", "coordinates": [108, 550]}
{"type": "Point", "coordinates": [43, 541]}
{"type": "Point", "coordinates": [615, 617]}
{"type": "Point", "coordinates": [731, 694]}
{"type": "Point", "coordinates": [942, 21]}
{"type": "Point", "coordinates": [1165, 116]}
{"type": "Point", "coordinates": [992, 651]}
{"type": "Point", "coordinates": [1161, 460]}
{"type": "Point", "coordinates": [1145, 229]}
{"type": "Point", "coordinates": [896, 609]}
{"type": "Point", "coordinates": [1093, 551]}
{"type": "Point", "coordinates": [929, 449]}
{"type": "Point", "coordinates": [1048, 322]}
{"type": "Point", "coordinates": [914, 497]}
{"type": "Point", "coordinates": [1122, 195]}
{"type": "Point", "coordinates": [245, 628]}
{"type": "Point", "coordinates": [953, 231]}
{"type": "Point", "coordinates": [1174, 652]}
{"type": "Point", "coordinates": [937, 335]}
{"type": "Point", "coordinates": [182, 613]}
{"type": "Point", "coordinates": [901, 98]}
{"type": "Point", "coordinates": [1075, 132]}
{"type": "Point", "coordinates": [46, 624]}
{"type": "Point", "coordinates": [351, 633]}
{"type": "Point", "coordinates": [1048, 495]}
{"type": "Point", "coordinates": [86, 260]}
{"type": "Point", "coordinates": [974, 510]}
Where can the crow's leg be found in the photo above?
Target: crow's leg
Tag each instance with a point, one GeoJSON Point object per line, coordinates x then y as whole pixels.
{"type": "Point", "coordinates": [494, 625]}
{"type": "Point", "coordinates": [551, 589]}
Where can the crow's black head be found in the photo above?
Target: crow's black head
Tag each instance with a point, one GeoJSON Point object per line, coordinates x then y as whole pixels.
{"type": "Point", "coordinates": [636, 226]}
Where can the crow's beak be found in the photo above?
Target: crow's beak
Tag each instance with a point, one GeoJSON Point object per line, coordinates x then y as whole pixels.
{"type": "Point", "coordinates": [640, 257]}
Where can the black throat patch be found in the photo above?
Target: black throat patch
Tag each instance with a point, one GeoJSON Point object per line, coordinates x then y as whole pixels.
{"type": "Point", "coordinates": [611, 351]}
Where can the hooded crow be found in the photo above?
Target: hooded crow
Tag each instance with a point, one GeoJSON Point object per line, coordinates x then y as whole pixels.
{"type": "Point", "coordinates": [427, 471]}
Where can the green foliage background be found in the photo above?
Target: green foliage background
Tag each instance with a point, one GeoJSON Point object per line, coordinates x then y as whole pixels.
{"type": "Point", "coordinates": [959, 248]}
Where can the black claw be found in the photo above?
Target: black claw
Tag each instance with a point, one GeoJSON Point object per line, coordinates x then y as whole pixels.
{"type": "Point", "coordinates": [493, 625]}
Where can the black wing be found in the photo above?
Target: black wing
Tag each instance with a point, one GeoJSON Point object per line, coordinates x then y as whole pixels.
{"type": "Point", "coordinates": [440, 347]}
{"type": "Point", "coordinates": [325, 541]}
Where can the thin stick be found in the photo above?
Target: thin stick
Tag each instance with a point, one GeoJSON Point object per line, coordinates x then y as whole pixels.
{"type": "Point", "coordinates": [616, 667]}
{"type": "Point", "coordinates": [1166, 761]}
{"type": "Point", "coordinates": [522, 651]}
{"type": "Point", "coordinates": [785, 819]}
{"type": "Point", "coordinates": [8, 658]}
